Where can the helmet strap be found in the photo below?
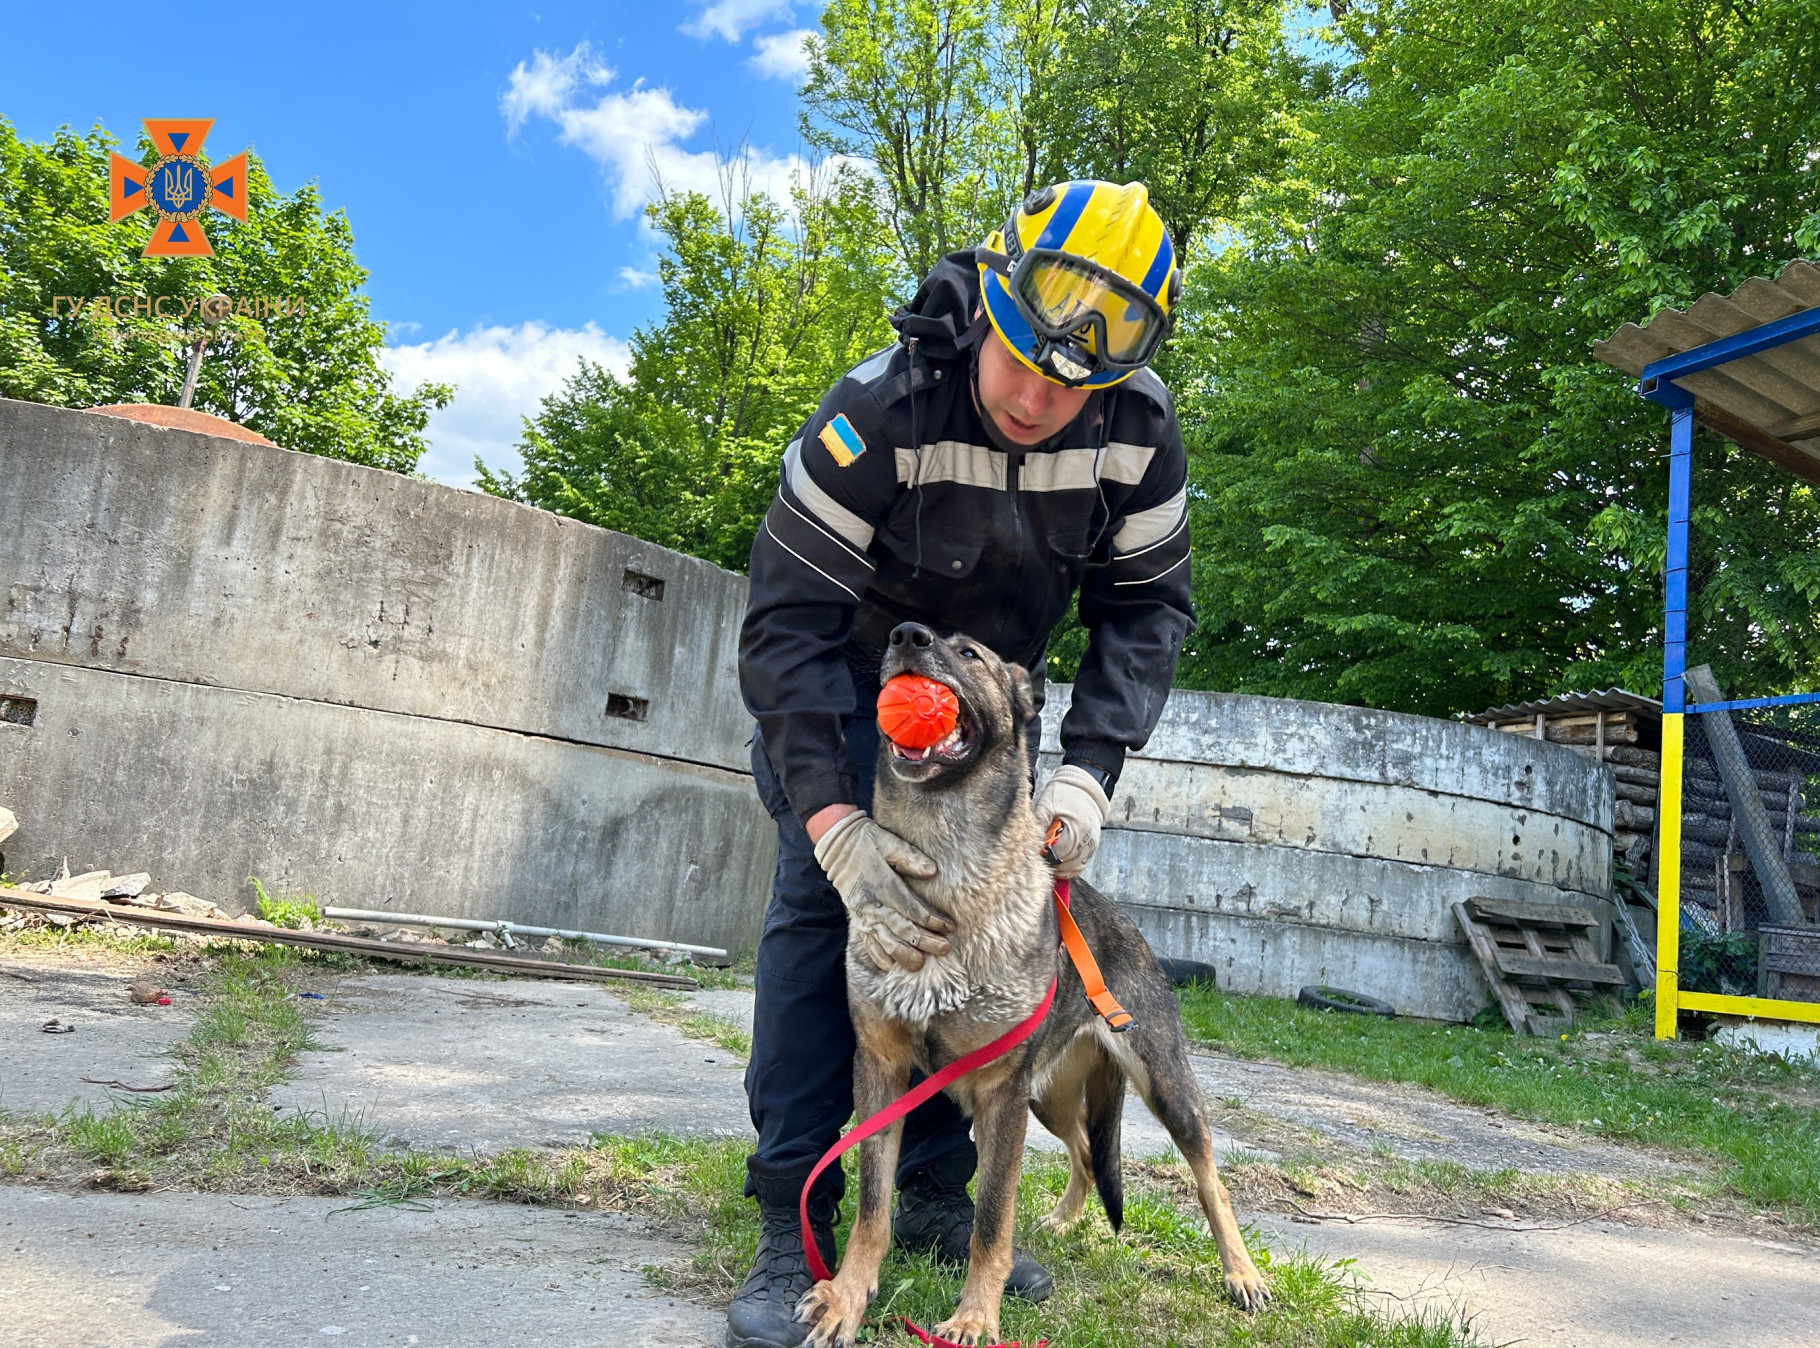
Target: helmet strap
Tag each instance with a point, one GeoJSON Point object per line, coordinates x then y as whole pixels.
{"type": "Point", "coordinates": [995, 261]}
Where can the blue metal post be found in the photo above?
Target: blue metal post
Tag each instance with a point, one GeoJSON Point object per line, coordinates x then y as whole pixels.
{"type": "Point", "coordinates": [1674, 615]}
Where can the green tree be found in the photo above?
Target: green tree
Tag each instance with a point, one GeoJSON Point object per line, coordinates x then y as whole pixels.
{"type": "Point", "coordinates": [909, 86]}
{"type": "Point", "coordinates": [1415, 487]}
{"type": "Point", "coordinates": [963, 106]}
{"type": "Point", "coordinates": [309, 378]}
{"type": "Point", "coordinates": [1194, 98]}
{"type": "Point", "coordinates": [766, 308]}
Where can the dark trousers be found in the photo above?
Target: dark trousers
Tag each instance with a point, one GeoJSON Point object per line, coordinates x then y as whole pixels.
{"type": "Point", "coordinates": [800, 1080]}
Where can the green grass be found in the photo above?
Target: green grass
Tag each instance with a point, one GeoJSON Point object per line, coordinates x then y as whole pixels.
{"type": "Point", "coordinates": [1757, 1117]}
{"type": "Point", "coordinates": [52, 939]}
{"type": "Point", "coordinates": [213, 1128]}
{"type": "Point", "coordinates": [708, 975]}
{"type": "Point", "coordinates": [669, 1008]}
{"type": "Point", "coordinates": [1155, 1285]}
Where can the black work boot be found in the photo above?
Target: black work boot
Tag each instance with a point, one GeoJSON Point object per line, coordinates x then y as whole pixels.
{"type": "Point", "coordinates": [763, 1311]}
{"type": "Point", "coordinates": [935, 1216]}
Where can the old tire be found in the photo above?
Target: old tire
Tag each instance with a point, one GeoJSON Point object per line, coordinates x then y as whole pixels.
{"type": "Point", "coordinates": [1320, 997]}
{"type": "Point", "coordinates": [1185, 973]}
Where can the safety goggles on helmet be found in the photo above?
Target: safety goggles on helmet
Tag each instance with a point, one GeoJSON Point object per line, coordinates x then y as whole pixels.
{"type": "Point", "coordinates": [1064, 297]}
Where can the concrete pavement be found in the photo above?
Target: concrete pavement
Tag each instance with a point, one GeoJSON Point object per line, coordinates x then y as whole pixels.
{"type": "Point", "coordinates": [104, 1270]}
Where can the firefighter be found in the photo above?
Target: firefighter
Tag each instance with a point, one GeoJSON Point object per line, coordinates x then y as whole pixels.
{"type": "Point", "coordinates": [1010, 452]}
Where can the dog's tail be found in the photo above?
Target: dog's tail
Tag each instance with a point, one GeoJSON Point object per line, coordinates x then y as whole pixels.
{"type": "Point", "coordinates": [1105, 1123]}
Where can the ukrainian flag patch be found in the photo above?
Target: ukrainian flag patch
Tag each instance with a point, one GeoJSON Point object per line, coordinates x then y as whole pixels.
{"type": "Point", "coordinates": [842, 440]}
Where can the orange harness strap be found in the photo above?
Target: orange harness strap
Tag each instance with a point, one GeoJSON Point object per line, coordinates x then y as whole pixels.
{"type": "Point", "coordinates": [1117, 1018]}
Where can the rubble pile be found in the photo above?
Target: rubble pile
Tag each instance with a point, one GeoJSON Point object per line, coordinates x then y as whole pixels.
{"type": "Point", "coordinates": [135, 890]}
{"type": "Point", "coordinates": [107, 887]}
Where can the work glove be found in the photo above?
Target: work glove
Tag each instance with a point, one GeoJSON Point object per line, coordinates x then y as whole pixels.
{"type": "Point", "coordinates": [886, 923]}
{"type": "Point", "coordinates": [1073, 799]}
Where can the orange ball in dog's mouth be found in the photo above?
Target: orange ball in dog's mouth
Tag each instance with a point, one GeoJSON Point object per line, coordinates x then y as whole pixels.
{"type": "Point", "coordinates": [917, 713]}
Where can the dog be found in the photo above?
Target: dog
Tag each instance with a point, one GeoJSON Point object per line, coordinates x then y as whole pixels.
{"type": "Point", "coordinates": [966, 804]}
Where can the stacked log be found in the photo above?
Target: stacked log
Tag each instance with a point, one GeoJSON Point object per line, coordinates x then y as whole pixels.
{"type": "Point", "coordinates": [1583, 730]}
{"type": "Point", "coordinates": [1712, 859]}
{"type": "Point", "coordinates": [1638, 776]}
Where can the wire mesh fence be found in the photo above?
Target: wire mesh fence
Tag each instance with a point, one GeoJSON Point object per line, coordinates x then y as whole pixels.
{"type": "Point", "coordinates": [1750, 853]}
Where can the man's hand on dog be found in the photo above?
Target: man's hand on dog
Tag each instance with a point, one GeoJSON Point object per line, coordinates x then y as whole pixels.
{"type": "Point", "coordinates": [887, 924]}
{"type": "Point", "coordinates": [1073, 799]}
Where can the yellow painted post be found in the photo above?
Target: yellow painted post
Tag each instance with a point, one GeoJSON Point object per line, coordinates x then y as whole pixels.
{"type": "Point", "coordinates": [1668, 878]}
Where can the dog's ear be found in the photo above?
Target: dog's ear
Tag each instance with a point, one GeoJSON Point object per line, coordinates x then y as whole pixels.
{"type": "Point", "coordinates": [1023, 697]}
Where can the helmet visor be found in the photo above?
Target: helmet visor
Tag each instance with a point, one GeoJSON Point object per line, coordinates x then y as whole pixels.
{"type": "Point", "coordinates": [1061, 294]}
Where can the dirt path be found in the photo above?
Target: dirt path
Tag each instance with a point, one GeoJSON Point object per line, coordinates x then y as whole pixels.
{"type": "Point", "coordinates": [1412, 1123]}
{"type": "Point", "coordinates": [1597, 1285]}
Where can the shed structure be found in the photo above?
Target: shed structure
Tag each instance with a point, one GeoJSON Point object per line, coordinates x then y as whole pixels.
{"type": "Point", "coordinates": [1746, 365]}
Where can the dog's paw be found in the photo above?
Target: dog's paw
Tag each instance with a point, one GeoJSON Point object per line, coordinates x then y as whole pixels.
{"type": "Point", "coordinates": [1247, 1287]}
{"type": "Point", "coordinates": [832, 1313]}
{"type": "Point", "coordinates": [1058, 1222]}
{"type": "Point", "coordinates": [969, 1327]}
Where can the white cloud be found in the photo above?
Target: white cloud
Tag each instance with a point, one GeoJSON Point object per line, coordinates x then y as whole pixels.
{"type": "Point", "coordinates": [730, 20]}
{"type": "Point", "coordinates": [634, 279]}
{"type": "Point", "coordinates": [782, 56]}
{"type": "Point", "coordinates": [550, 84]}
{"type": "Point", "coordinates": [501, 373]}
{"type": "Point", "coordinates": [636, 135]}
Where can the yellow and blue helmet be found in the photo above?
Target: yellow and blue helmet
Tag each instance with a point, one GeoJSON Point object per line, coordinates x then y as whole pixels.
{"type": "Point", "coordinates": [1081, 281]}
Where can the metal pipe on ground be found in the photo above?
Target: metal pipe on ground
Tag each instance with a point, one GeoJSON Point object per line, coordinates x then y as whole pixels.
{"type": "Point", "coordinates": [162, 919]}
{"type": "Point", "coordinates": [514, 929]}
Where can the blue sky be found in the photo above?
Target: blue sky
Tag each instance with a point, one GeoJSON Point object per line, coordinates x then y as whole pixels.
{"type": "Point", "coordinates": [492, 158]}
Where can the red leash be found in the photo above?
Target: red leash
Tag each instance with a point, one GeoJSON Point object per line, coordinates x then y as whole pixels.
{"type": "Point", "coordinates": [906, 1102]}
{"type": "Point", "coordinates": [1103, 1002]}
{"type": "Point", "coordinates": [896, 1110]}
{"type": "Point", "coordinates": [937, 1341]}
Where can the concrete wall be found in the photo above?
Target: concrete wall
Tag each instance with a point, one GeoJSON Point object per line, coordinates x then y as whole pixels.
{"type": "Point", "coordinates": [244, 661]}
{"type": "Point", "coordinates": [382, 691]}
{"type": "Point", "coordinates": [1288, 843]}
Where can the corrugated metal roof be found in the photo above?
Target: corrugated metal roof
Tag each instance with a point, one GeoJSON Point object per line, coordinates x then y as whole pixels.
{"type": "Point", "coordinates": [1777, 391]}
{"type": "Point", "coordinates": [1611, 699]}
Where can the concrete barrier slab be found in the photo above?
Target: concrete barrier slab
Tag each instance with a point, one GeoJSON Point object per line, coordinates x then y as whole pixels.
{"type": "Point", "coordinates": [206, 787]}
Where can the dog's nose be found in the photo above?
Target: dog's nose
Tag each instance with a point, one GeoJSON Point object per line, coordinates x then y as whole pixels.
{"type": "Point", "coordinates": [914, 634]}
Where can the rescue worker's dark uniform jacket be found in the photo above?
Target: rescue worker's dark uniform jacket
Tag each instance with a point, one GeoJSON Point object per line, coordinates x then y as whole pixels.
{"type": "Point", "coordinates": [939, 520]}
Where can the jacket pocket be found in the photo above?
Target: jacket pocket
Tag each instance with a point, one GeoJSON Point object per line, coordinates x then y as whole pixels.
{"type": "Point", "coordinates": [1068, 527]}
{"type": "Point", "coordinates": [940, 546]}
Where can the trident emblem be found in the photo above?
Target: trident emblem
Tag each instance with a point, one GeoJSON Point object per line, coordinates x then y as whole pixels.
{"type": "Point", "coordinates": [177, 188]}
{"type": "Point", "coordinates": [178, 181]}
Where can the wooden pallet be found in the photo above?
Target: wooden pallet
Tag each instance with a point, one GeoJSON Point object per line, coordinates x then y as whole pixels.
{"type": "Point", "coordinates": [1788, 963]}
{"type": "Point", "coordinates": [1534, 955]}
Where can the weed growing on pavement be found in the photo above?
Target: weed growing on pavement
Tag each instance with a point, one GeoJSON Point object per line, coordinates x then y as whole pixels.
{"type": "Point", "coordinates": [708, 975]}
{"type": "Point", "coordinates": [671, 1009]}
{"type": "Point", "coordinates": [1758, 1116]}
{"type": "Point", "coordinates": [298, 912]}
{"type": "Point", "coordinates": [213, 1128]}
{"type": "Point", "coordinates": [89, 939]}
